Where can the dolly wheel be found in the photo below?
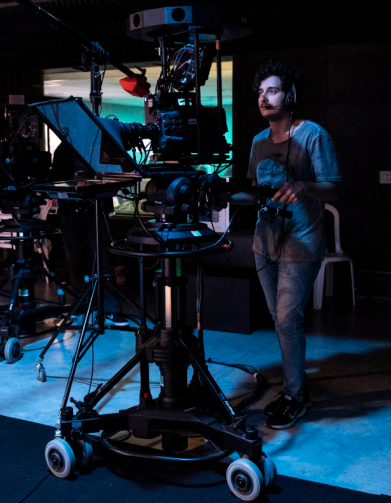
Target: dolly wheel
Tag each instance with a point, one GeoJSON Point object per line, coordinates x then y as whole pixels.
{"type": "Point", "coordinates": [85, 453]}
{"type": "Point", "coordinates": [60, 458]}
{"type": "Point", "coordinates": [245, 479]}
{"type": "Point", "coordinates": [13, 350]}
{"type": "Point", "coordinates": [268, 469]}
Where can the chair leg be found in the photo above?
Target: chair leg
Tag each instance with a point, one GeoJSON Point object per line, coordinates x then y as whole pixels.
{"type": "Point", "coordinates": [318, 288]}
{"type": "Point", "coordinates": [353, 284]}
{"type": "Point", "coordinates": [329, 279]}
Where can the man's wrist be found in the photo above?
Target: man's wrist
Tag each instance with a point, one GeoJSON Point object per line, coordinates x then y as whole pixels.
{"type": "Point", "coordinates": [306, 188]}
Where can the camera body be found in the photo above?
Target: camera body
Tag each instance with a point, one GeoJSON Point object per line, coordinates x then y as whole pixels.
{"type": "Point", "coordinates": [22, 151]}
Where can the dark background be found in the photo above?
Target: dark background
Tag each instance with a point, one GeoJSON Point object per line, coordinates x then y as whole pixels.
{"type": "Point", "coordinates": [344, 49]}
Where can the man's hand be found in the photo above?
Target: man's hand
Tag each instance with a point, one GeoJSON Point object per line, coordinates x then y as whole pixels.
{"type": "Point", "coordinates": [290, 192]}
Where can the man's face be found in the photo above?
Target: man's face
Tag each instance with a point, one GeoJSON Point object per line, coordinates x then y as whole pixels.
{"type": "Point", "coordinates": [271, 98]}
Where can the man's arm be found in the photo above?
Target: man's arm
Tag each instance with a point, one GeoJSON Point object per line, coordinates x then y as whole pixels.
{"type": "Point", "coordinates": [291, 192]}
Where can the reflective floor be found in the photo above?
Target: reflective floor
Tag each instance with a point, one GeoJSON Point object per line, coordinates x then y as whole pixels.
{"type": "Point", "coordinates": [343, 440]}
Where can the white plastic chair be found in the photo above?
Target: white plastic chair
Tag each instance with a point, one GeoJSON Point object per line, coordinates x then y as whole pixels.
{"type": "Point", "coordinates": [327, 270]}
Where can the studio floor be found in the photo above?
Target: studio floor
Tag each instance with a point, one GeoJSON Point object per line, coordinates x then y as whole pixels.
{"type": "Point", "coordinates": [344, 439]}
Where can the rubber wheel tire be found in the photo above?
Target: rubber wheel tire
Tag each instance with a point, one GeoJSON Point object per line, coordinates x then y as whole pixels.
{"type": "Point", "coordinates": [60, 458]}
{"type": "Point", "coordinates": [245, 479]}
{"type": "Point", "coordinates": [13, 350]}
{"type": "Point", "coordinates": [85, 453]}
{"type": "Point", "coordinates": [268, 469]}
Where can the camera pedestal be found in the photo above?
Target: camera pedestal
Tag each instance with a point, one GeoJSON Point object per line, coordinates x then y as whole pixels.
{"type": "Point", "coordinates": [181, 411]}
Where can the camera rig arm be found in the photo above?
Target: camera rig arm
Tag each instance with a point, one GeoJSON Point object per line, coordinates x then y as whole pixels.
{"type": "Point", "coordinates": [182, 192]}
{"type": "Point", "coordinates": [79, 37]}
{"type": "Point", "coordinates": [238, 193]}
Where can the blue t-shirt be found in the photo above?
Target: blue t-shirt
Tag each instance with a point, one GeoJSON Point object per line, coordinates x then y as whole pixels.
{"type": "Point", "coordinates": [311, 158]}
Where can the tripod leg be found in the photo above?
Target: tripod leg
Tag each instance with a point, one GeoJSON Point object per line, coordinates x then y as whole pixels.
{"type": "Point", "coordinates": [50, 275]}
{"type": "Point", "coordinates": [14, 294]}
{"type": "Point", "coordinates": [219, 399]}
{"type": "Point", "coordinates": [41, 373]}
{"type": "Point", "coordinates": [98, 328]}
{"type": "Point", "coordinates": [79, 348]}
{"type": "Point", "coordinates": [93, 398]}
{"type": "Point", "coordinates": [64, 323]}
{"type": "Point", "coordinates": [44, 256]}
{"type": "Point", "coordinates": [141, 335]}
{"type": "Point", "coordinates": [138, 307]}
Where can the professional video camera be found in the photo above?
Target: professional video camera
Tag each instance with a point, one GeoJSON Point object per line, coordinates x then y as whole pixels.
{"type": "Point", "coordinates": [179, 127]}
{"type": "Point", "coordinates": [181, 133]}
{"type": "Point", "coordinates": [23, 160]}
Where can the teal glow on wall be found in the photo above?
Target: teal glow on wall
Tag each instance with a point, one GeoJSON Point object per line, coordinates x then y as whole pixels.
{"type": "Point", "coordinates": [128, 108]}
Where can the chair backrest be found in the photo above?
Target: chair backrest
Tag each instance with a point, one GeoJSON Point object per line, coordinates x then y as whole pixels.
{"type": "Point", "coordinates": [337, 237]}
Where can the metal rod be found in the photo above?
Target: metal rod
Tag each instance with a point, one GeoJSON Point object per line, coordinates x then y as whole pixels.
{"type": "Point", "coordinates": [145, 392]}
{"type": "Point", "coordinates": [78, 36]}
{"type": "Point", "coordinates": [77, 354]}
{"type": "Point", "coordinates": [98, 244]}
{"type": "Point", "coordinates": [219, 92]}
{"type": "Point", "coordinates": [198, 90]}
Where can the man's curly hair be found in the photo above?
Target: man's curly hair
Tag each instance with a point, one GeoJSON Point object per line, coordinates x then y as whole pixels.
{"type": "Point", "coordinates": [288, 74]}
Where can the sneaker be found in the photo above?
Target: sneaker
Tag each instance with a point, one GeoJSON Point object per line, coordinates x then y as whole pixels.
{"type": "Point", "coordinates": [287, 413]}
{"type": "Point", "coordinates": [272, 406]}
{"type": "Point", "coordinates": [117, 320]}
{"type": "Point", "coordinates": [78, 319]}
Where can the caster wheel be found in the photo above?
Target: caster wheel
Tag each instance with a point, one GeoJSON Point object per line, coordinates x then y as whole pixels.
{"type": "Point", "coordinates": [60, 458]}
{"type": "Point", "coordinates": [268, 469]}
{"type": "Point", "coordinates": [13, 350]}
{"type": "Point", "coordinates": [245, 479]}
{"type": "Point", "coordinates": [84, 453]}
{"type": "Point", "coordinates": [41, 373]}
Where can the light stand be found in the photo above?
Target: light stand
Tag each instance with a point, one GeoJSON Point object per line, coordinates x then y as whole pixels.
{"type": "Point", "coordinates": [98, 280]}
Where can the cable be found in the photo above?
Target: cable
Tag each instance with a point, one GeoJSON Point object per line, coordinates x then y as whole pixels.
{"type": "Point", "coordinates": [260, 380]}
{"type": "Point", "coordinates": [149, 454]}
{"type": "Point", "coordinates": [92, 367]}
{"type": "Point", "coordinates": [53, 343]}
{"type": "Point", "coordinates": [107, 225]}
{"type": "Point", "coordinates": [152, 266]}
{"type": "Point", "coordinates": [199, 300]}
{"type": "Point", "coordinates": [137, 213]}
{"type": "Point", "coordinates": [269, 260]}
{"type": "Point", "coordinates": [34, 488]}
{"type": "Point", "coordinates": [239, 270]}
{"type": "Point", "coordinates": [187, 252]}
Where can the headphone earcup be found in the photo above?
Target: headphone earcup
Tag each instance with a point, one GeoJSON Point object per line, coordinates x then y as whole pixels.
{"type": "Point", "coordinates": [290, 99]}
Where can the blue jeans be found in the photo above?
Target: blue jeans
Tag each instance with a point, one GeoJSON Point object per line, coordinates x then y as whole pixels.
{"type": "Point", "coordinates": [287, 287]}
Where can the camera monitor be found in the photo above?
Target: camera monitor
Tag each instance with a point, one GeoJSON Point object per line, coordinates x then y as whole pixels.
{"type": "Point", "coordinates": [95, 141]}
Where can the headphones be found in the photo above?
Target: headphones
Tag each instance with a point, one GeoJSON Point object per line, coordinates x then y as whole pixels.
{"type": "Point", "coordinates": [291, 99]}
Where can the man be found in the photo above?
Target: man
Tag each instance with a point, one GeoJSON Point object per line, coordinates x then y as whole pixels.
{"type": "Point", "coordinates": [297, 157]}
